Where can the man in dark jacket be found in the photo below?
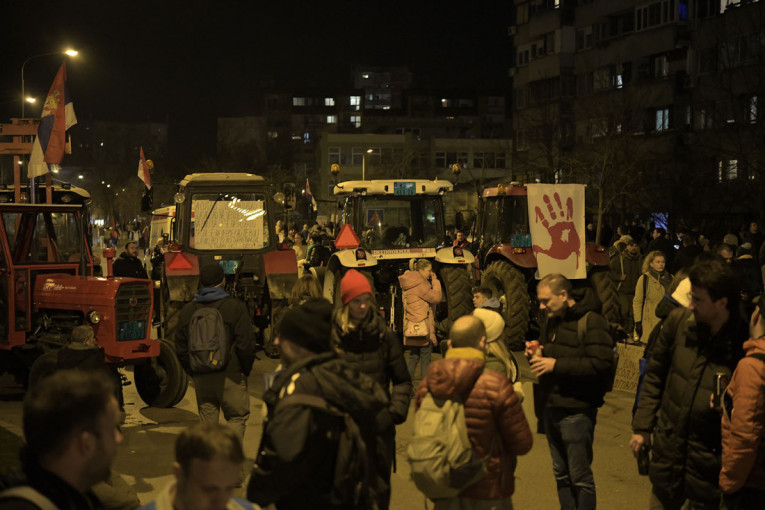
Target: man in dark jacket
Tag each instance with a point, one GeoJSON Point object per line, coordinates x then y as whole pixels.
{"type": "Point", "coordinates": [227, 388]}
{"type": "Point", "coordinates": [694, 344]}
{"type": "Point", "coordinates": [626, 269]}
{"type": "Point", "coordinates": [71, 428]}
{"type": "Point", "coordinates": [659, 242]}
{"type": "Point", "coordinates": [128, 264]}
{"type": "Point", "coordinates": [296, 464]}
{"type": "Point", "coordinates": [573, 374]}
{"type": "Point", "coordinates": [687, 253]}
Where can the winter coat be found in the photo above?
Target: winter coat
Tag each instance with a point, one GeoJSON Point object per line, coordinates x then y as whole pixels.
{"type": "Point", "coordinates": [294, 468]}
{"type": "Point", "coordinates": [748, 275]}
{"type": "Point", "coordinates": [674, 403]}
{"type": "Point", "coordinates": [422, 297]}
{"type": "Point", "coordinates": [373, 349]}
{"type": "Point", "coordinates": [235, 316]}
{"type": "Point", "coordinates": [644, 306]}
{"type": "Point", "coordinates": [665, 246]}
{"type": "Point", "coordinates": [581, 367]}
{"type": "Point", "coordinates": [629, 266]}
{"type": "Point", "coordinates": [130, 267]}
{"type": "Point", "coordinates": [743, 450]}
{"type": "Point", "coordinates": [492, 304]}
{"type": "Point", "coordinates": [685, 257]}
{"type": "Point", "coordinates": [491, 409]}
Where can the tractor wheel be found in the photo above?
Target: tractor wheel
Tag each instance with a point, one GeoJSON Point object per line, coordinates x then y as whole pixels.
{"type": "Point", "coordinates": [43, 367]}
{"type": "Point", "coordinates": [509, 286]}
{"type": "Point", "coordinates": [162, 382]}
{"type": "Point", "coordinates": [459, 293]}
{"type": "Point", "coordinates": [605, 288]}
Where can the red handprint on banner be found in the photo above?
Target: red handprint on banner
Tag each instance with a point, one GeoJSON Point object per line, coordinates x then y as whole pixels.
{"type": "Point", "coordinates": [565, 238]}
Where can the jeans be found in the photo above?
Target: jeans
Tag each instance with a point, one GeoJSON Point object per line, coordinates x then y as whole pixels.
{"type": "Point", "coordinates": [662, 501]}
{"type": "Point", "coordinates": [228, 392]}
{"type": "Point", "coordinates": [569, 435]}
{"type": "Point", "coordinates": [417, 353]}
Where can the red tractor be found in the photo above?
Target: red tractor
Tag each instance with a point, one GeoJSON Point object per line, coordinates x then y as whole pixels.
{"type": "Point", "coordinates": [508, 264]}
{"type": "Point", "coordinates": [47, 288]}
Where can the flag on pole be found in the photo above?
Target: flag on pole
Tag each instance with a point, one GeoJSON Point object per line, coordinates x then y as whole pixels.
{"type": "Point", "coordinates": [309, 196]}
{"type": "Point", "coordinates": [57, 116]}
{"type": "Point", "coordinates": [144, 167]}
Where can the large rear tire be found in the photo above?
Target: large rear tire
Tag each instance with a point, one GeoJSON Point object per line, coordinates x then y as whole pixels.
{"type": "Point", "coordinates": [44, 366]}
{"type": "Point", "coordinates": [162, 382]}
{"type": "Point", "coordinates": [458, 290]}
{"type": "Point", "coordinates": [605, 288]}
{"type": "Point", "coordinates": [509, 286]}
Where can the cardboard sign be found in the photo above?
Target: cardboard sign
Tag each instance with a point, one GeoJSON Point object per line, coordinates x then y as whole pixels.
{"type": "Point", "coordinates": [628, 371]}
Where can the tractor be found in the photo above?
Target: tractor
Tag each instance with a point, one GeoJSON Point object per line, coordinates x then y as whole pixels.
{"type": "Point", "coordinates": [228, 219]}
{"type": "Point", "coordinates": [508, 264]}
{"type": "Point", "coordinates": [386, 223]}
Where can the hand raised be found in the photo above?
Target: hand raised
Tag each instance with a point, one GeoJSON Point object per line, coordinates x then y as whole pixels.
{"type": "Point", "coordinates": [565, 238]}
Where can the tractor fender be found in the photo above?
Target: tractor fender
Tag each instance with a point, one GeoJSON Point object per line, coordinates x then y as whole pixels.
{"type": "Point", "coordinates": [357, 258]}
{"type": "Point", "coordinates": [182, 275]}
{"type": "Point", "coordinates": [596, 255]}
{"type": "Point", "coordinates": [520, 257]}
{"type": "Point", "coordinates": [281, 273]}
{"type": "Point", "coordinates": [447, 256]}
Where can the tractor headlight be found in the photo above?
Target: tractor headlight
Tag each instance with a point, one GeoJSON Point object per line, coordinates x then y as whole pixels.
{"type": "Point", "coordinates": [94, 317]}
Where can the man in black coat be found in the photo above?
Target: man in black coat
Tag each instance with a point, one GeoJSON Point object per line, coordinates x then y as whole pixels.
{"type": "Point", "coordinates": [128, 264]}
{"type": "Point", "coordinates": [573, 374]}
{"type": "Point", "coordinates": [662, 244]}
{"type": "Point", "coordinates": [693, 346]}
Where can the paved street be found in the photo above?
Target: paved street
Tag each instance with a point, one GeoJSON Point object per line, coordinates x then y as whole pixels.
{"type": "Point", "coordinates": [145, 457]}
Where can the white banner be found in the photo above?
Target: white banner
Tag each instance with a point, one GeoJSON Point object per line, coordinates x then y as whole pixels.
{"type": "Point", "coordinates": [556, 219]}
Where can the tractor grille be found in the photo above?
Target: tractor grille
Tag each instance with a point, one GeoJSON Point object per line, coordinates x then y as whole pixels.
{"type": "Point", "coordinates": [132, 311]}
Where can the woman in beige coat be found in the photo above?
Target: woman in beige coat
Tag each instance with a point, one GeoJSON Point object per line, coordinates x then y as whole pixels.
{"type": "Point", "coordinates": [649, 291]}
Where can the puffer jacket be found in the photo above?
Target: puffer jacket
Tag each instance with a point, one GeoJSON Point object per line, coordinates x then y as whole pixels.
{"type": "Point", "coordinates": [421, 300]}
{"type": "Point", "coordinates": [743, 450]}
{"type": "Point", "coordinates": [644, 306]}
{"type": "Point", "coordinates": [581, 368]}
{"type": "Point", "coordinates": [491, 408]}
{"type": "Point", "coordinates": [674, 403]}
{"type": "Point", "coordinates": [374, 349]}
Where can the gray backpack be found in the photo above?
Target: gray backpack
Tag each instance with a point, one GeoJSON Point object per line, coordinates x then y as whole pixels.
{"type": "Point", "coordinates": [209, 343]}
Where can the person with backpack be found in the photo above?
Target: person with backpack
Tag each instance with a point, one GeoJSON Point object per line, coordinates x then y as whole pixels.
{"type": "Point", "coordinates": [324, 442]}
{"type": "Point", "coordinates": [649, 291]}
{"type": "Point", "coordinates": [215, 342]}
{"type": "Point", "coordinates": [673, 417]}
{"type": "Point", "coordinates": [742, 478]}
{"type": "Point", "coordinates": [469, 427]}
{"type": "Point", "coordinates": [574, 362]}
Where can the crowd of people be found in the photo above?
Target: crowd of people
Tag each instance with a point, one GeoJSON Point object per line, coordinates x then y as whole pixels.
{"type": "Point", "coordinates": [346, 381]}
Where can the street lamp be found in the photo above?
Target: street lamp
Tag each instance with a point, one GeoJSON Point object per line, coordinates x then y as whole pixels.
{"type": "Point", "coordinates": [363, 164]}
{"type": "Point", "coordinates": [70, 52]}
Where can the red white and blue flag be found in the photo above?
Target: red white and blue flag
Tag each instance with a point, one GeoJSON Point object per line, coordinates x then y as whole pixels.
{"type": "Point", "coordinates": [57, 116]}
{"type": "Point", "coordinates": [309, 196]}
{"type": "Point", "coordinates": [143, 170]}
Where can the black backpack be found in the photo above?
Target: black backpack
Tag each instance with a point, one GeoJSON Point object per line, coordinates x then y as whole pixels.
{"type": "Point", "coordinates": [613, 331]}
{"type": "Point", "coordinates": [209, 341]}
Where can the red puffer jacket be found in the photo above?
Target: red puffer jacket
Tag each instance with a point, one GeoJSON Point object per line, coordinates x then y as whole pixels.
{"type": "Point", "coordinates": [491, 408]}
{"type": "Point", "coordinates": [743, 455]}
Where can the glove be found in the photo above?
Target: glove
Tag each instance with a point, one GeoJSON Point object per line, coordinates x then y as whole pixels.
{"type": "Point", "coordinates": [639, 329]}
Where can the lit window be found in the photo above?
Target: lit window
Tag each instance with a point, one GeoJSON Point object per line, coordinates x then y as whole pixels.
{"type": "Point", "coordinates": [306, 137]}
{"type": "Point", "coordinates": [331, 119]}
{"type": "Point", "coordinates": [356, 120]}
{"type": "Point", "coordinates": [751, 111]}
{"type": "Point", "coordinates": [273, 134]}
{"type": "Point", "coordinates": [355, 102]}
{"type": "Point", "coordinates": [329, 101]}
{"type": "Point", "coordinates": [298, 101]}
{"type": "Point", "coordinates": [661, 119]}
{"type": "Point", "coordinates": [365, 76]}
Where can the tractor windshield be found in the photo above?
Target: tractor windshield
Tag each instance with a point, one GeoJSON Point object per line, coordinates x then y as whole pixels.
{"type": "Point", "coordinates": [228, 221]}
{"type": "Point", "coordinates": [508, 216]}
{"type": "Point", "coordinates": [38, 237]}
{"type": "Point", "coordinates": [401, 223]}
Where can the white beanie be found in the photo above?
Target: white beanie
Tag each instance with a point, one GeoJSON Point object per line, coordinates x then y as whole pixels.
{"type": "Point", "coordinates": [682, 291]}
{"type": "Point", "coordinates": [492, 322]}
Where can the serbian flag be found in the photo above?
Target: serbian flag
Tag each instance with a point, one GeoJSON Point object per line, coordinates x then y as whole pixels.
{"type": "Point", "coordinates": [57, 116]}
{"type": "Point", "coordinates": [143, 169]}
{"type": "Point", "coordinates": [309, 196]}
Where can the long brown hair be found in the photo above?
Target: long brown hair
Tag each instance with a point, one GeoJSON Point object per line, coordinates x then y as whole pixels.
{"type": "Point", "coordinates": [307, 287]}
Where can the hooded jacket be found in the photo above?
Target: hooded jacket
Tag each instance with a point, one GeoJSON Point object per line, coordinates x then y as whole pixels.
{"type": "Point", "coordinates": [581, 367]}
{"type": "Point", "coordinates": [492, 304]}
{"type": "Point", "coordinates": [743, 450]}
{"type": "Point", "coordinates": [373, 349]}
{"type": "Point", "coordinates": [491, 409]}
{"type": "Point", "coordinates": [674, 403]}
{"type": "Point", "coordinates": [235, 316]}
{"type": "Point", "coordinates": [421, 299]}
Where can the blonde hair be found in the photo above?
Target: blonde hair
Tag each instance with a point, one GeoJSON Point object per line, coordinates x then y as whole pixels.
{"type": "Point", "coordinates": [650, 258]}
{"type": "Point", "coordinates": [305, 288]}
{"type": "Point", "coordinates": [498, 349]}
{"type": "Point", "coordinates": [421, 264]}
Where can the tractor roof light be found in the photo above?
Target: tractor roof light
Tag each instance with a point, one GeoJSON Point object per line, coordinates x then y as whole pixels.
{"type": "Point", "coordinates": [94, 317]}
{"type": "Point", "coordinates": [500, 189]}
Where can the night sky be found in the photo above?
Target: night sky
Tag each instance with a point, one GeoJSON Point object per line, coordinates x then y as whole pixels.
{"type": "Point", "coordinates": [189, 61]}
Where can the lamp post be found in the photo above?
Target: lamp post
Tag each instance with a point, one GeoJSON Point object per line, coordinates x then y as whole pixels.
{"type": "Point", "coordinates": [69, 52]}
{"type": "Point", "coordinates": [363, 164]}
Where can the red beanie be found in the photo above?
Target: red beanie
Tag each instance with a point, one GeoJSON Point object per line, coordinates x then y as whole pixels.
{"type": "Point", "coordinates": [353, 285]}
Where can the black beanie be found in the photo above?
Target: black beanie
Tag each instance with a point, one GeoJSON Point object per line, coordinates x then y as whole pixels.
{"type": "Point", "coordinates": [308, 325]}
{"type": "Point", "coordinates": [211, 275]}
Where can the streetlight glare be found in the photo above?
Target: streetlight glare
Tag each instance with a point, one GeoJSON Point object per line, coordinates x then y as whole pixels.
{"type": "Point", "coordinates": [80, 176]}
{"type": "Point", "coordinates": [71, 52]}
{"type": "Point", "coordinates": [30, 99]}
{"type": "Point", "coordinates": [370, 151]}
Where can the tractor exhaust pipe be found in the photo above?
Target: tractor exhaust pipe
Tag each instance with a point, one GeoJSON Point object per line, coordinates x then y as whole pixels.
{"type": "Point", "coordinates": [109, 254]}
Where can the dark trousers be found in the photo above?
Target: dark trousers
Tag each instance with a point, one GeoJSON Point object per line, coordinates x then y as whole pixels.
{"type": "Point", "coordinates": [744, 499]}
{"type": "Point", "coordinates": [663, 501]}
{"type": "Point", "coordinates": [417, 354]}
{"type": "Point", "coordinates": [570, 434]}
